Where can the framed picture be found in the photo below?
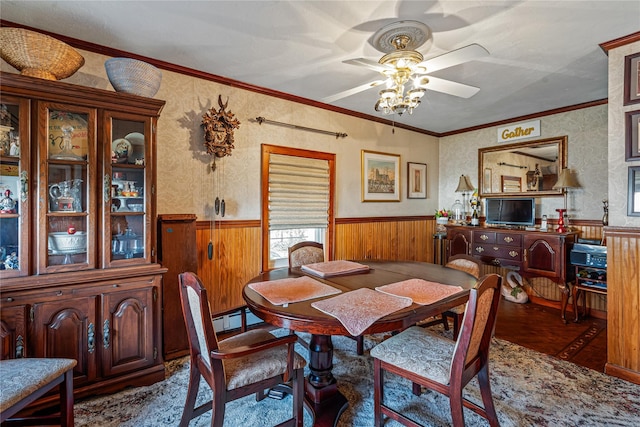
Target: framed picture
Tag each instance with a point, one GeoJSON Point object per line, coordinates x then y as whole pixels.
{"type": "Point", "coordinates": [632, 121]}
{"type": "Point", "coordinates": [632, 79]}
{"type": "Point", "coordinates": [416, 180]}
{"type": "Point", "coordinates": [511, 184]}
{"type": "Point", "coordinates": [487, 181]}
{"type": "Point", "coordinates": [633, 199]}
{"type": "Point", "coordinates": [380, 177]}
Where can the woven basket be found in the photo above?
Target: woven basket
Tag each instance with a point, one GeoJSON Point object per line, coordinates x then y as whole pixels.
{"type": "Point", "coordinates": [38, 55]}
{"type": "Point", "coordinates": [133, 76]}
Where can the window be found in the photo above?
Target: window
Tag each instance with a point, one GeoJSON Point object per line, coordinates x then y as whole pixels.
{"type": "Point", "coordinates": [297, 201]}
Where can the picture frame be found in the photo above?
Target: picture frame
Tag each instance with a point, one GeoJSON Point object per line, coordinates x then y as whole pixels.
{"type": "Point", "coordinates": [632, 79]}
{"type": "Point", "coordinates": [487, 181]}
{"type": "Point", "coordinates": [380, 177]}
{"type": "Point", "coordinates": [511, 184]}
{"type": "Point", "coordinates": [633, 198]}
{"type": "Point", "coordinates": [632, 135]}
{"type": "Point", "coordinates": [416, 180]}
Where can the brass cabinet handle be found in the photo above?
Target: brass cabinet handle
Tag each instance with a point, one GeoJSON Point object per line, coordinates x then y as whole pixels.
{"type": "Point", "coordinates": [495, 248]}
{"type": "Point", "coordinates": [484, 237]}
{"type": "Point", "coordinates": [105, 333]}
{"type": "Point", "coordinates": [479, 249]}
{"type": "Point", "coordinates": [513, 254]}
{"type": "Point", "coordinates": [508, 239]}
{"type": "Point", "coordinates": [19, 347]}
{"type": "Point", "coordinates": [91, 338]}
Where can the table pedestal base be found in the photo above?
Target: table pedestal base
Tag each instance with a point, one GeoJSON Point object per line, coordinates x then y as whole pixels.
{"type": "Point", "coordinates": [321, 390]}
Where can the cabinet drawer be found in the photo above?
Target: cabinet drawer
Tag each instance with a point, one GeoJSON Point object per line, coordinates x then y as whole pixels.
{"type": "Point", "coordinates": [498, 251]}
{"type": "Point", "coordinates": [484, 236]}
{"type": "Point", "coordinates": [509, 239]}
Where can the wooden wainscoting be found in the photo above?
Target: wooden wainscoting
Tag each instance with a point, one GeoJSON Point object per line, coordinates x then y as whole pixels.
{"type": "Point", "coordinates": [623, 295]}
{"type": "Point", "coordinates": [392, 238]}
{"type": "Point", "coordinates": [235, 260]}
{"type": "Point", "coordinates": [237, 249]}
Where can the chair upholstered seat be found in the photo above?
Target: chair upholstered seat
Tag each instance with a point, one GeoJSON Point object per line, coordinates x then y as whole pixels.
{"type": "Point", "coordinates": [431, 361]}
{"type": "Point", "coordinates": [255, 367]}
{"type": "Point", "coordinates": [419, 351]}
{"type": "Point", "coordinates": [22, 381]}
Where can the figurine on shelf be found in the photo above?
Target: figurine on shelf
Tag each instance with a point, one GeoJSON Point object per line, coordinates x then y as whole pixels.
{"type": "Point", "coordinates": [11, 262]}
{"type": "Point", "coordinates": [14, 149]}
{"type": "Point", "coordinates": [7, 204]}
{"type": "Point", "coordinates": [605, 207]}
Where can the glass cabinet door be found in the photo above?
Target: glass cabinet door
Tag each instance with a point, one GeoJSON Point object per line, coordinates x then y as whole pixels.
{"type": "Point", "coordinates": [67, 208]}
{"type": "Point", "coordinates": [127, 189]}
{"type": "Point", "coordinates": [14, 190]}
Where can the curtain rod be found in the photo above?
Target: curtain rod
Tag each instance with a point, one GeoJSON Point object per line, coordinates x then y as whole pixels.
{"type": "Point", "coordinates": [261, 120]}
{"type": "Point", "coordinates": [513, 166]}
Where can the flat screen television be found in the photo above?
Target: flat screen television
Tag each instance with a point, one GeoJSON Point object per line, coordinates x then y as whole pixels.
{"type": "Point", "coordinates": [520, 212]}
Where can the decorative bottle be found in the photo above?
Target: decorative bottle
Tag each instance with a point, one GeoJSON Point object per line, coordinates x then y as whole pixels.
{"type": "Point", "coordinates": [474, 218]}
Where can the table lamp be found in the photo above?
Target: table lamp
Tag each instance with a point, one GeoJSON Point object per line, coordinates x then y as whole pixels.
{"type": "Point", "coordinates": [464, 186]}
{"type": "Point", "coordinates": [566, 180]}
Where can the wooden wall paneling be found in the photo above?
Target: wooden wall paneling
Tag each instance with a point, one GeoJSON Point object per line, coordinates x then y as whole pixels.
{"type": "Point", "coordinates": [236, 260]}
{"type": "Point", "coordinates": [623, 288]}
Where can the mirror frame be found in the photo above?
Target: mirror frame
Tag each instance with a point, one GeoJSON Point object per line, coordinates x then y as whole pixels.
{"type": "Point", "coordinates": [562, 162]}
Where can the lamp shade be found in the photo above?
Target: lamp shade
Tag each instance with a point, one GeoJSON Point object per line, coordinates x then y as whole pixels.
{"type": "Point", "coordinates": [464, 184]}
{"type": "Point", "coordinates": [567, 179]}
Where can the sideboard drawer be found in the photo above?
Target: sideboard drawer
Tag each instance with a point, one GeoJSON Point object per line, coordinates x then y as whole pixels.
{"type": "Point", "coordinates": [510, 239]}
{"type": "Point", "coordinates": [498, 251]}
{"type": "Point", "coordinates": [484, 236]}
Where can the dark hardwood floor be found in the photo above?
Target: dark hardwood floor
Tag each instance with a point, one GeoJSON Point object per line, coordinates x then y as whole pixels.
{"type": "Point", "coordinates": [540, 328]}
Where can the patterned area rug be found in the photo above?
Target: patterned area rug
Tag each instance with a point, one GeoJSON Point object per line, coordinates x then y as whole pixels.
{"type": "Point", "coordinates": [529, 389]}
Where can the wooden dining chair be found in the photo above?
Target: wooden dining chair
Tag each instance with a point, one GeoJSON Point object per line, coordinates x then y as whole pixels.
{"type": "Point", "coordinates": [248, 363]}
{"type": "Point", "coordinates": [304, 253]}
{"type": "Point", "coordinates": [437, 363]}
{"type": "Point", "coordinates": [470, 265]}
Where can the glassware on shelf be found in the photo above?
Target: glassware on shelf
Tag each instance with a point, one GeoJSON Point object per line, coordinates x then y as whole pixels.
{"type": "Point", "coordinates": [66, 146]}
{"type": "Point", "coordinates": [457, 211]}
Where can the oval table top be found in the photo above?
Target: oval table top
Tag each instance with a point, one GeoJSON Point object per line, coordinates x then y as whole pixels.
{"type": "Point", "coordinates": [300, 316]}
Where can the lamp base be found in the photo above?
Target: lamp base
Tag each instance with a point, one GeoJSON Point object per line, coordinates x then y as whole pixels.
{"type": "Point", "coordinates": [561, 228]}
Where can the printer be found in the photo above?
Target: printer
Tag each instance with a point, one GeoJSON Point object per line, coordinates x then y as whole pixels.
{"type": "Point", "coordinates": [588, 255]}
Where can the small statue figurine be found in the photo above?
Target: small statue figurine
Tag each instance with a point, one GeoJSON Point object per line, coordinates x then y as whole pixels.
{"type": "Point", "coordinates": [7, 204]}
{"type": "Point", "coordinates": [14, 149]}
{"type": "Point", "coordinates": [11, 262]}
{"type": "Point", "coordinates": [605, 207]}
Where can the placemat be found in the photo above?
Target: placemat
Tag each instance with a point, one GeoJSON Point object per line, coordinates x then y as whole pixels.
{"type": "Point", "coordinates": [334, 268]}
{"type": "Point", "coordinates": [359, 309]}
{"type": "Point", "coordinates": [420, 291]}
{"type": "Point", "coordinates": [287, 291]}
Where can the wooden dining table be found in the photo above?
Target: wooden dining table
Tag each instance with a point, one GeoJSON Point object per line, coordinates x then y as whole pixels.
{"type": "Point", "coordinates": [322, 396]}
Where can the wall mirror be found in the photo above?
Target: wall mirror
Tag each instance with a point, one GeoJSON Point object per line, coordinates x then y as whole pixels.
{"type": "Point", "coordinates": [528, 168]}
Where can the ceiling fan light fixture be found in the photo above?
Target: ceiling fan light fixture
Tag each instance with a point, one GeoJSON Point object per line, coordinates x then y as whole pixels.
{"type": "Point", "coordinates": [416, 93]}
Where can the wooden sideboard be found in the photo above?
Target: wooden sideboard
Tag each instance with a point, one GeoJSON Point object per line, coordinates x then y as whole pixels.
{"type": "Point", "coordinates": [531, 253]}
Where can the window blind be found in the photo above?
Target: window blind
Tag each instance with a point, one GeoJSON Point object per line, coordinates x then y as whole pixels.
{"type": "Point", "coordinates": [298, 192]}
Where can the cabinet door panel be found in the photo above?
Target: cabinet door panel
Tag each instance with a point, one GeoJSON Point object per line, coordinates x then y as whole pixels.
{"type": "Point", "coordinates": [127, 324]}
{"type": "Point", "coordinates": [13, 327]}
{"type": "Point", "coordinates": [543, 256]}
{"type": "Point", "coordinates": [68, 329]}
{"type": "Point", "coordinates": [459, 242]}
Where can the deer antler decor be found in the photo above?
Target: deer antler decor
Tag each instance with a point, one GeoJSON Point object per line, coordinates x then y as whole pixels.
{"type": "Point", "coordinates": [218, 131]}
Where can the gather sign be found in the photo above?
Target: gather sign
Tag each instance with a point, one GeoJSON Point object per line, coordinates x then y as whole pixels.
{"type": "Point", "coordinates": [519, 131]}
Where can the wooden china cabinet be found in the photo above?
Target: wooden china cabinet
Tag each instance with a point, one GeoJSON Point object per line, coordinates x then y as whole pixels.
{"type": "Point", "coordinates": [78, 270]}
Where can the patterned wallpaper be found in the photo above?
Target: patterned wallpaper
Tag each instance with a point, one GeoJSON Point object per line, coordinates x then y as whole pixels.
{"type": "Point", "coordinates": [587, 156]}
{"type": "Point", "coordinates": [186, 183]}
{"type": "Point", "coordinates": [618, 167]}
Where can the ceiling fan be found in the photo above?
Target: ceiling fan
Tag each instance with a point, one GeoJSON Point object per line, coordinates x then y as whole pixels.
{"type": "Point", "coordinates": [402, 64]}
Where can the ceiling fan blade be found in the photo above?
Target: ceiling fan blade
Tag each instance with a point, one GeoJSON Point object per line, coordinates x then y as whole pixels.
{"type": "Point", "coordinates": [451, 88]}
{"type": "Point", "coordinates": [352, 91]}
{"type": "Point", "coordinates": [368, 63]}
{"type": "Point", "coordinates": [455, 57]}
